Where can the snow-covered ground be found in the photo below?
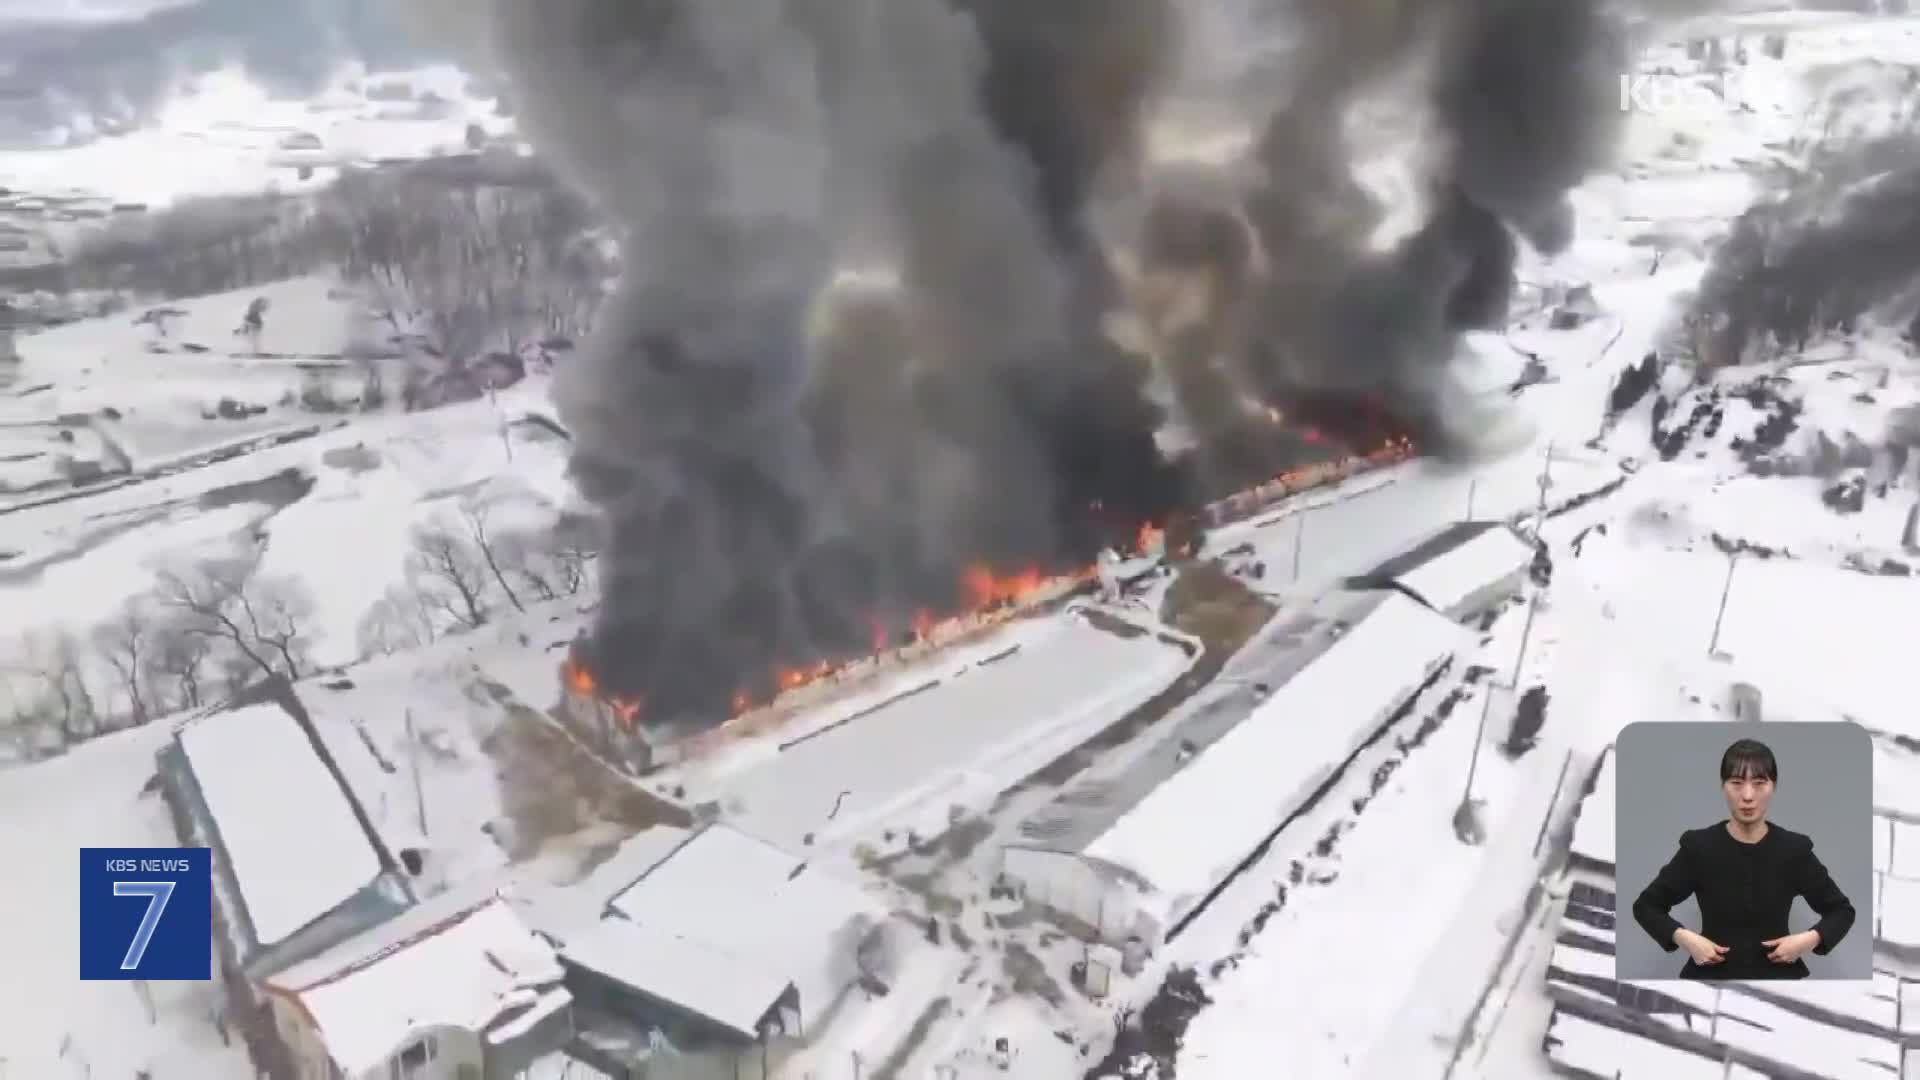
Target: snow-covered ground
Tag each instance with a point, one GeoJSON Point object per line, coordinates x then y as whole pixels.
{"type": "Point", "coordinates": [226, 135]}
{"type": "Point", "coordinates": [1349, 978]}
{"type": "Point", "coordinates": [326, 501]}
{"type": "Point", "coordinates": [1314, 956]}
{"type": "Point", "coordinates": [52, 1024]}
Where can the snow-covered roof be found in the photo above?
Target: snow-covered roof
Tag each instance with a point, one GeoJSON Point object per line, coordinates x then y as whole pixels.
{"type": "Point", "coordinates": [693, 975]}
{"type": "Point", "coordinates": [290, 836]}
{"type": "Point", "coordinates": [1593, 830]}
{"type": "Point", "coordinates": [1456, 573]}
{"type": "Point", "coordinates": [724, 893]}
{"type": "Point", "coordinates": [1192, 830]}
{"type": "Point", "coordinates": [562, 911]}
{"type": "Point", "coordinates": [450, 962]}
{"type": "Point", "coordinates": [1846, 1030]}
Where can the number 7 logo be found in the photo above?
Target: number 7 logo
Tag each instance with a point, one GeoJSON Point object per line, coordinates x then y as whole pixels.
{"type": "Point", "coordinates": [157, 894]}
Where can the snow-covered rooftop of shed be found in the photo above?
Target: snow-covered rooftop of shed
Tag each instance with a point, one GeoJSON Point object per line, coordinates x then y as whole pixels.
{"type": "Point", "coordinates": [446, 963]}
{"type": "Point", "coordinates": [1838, 1029]}
{"type": "Point", "coordinates": [289, 833]}
{"type": "Point", "coordinates": [699, 977]}
{"type": "Point", "coordinates": [1593, 831]}
{"type": "Point", "coordinates": [1456, 573]}
{"type": "Point", "coordinates": [562, 911]}
{"type": "Point", "coordinates": [740, 895]}
{"type": "Point", "coordinates": [1190, 831]}
{"type": "Point", "coordinates": [1084, 812]}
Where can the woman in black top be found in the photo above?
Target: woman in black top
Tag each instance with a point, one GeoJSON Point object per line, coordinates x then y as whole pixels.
{"type": "Point", "coordinates": [1745, 872]}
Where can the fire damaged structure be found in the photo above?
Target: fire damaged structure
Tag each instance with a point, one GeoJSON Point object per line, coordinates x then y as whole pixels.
{"type": "Point", "coordinates": [775, 484]}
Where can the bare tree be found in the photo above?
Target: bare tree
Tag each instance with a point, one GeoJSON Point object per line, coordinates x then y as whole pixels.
{"type": "Point", "coordinates": [125, 644]}
{"type": "Point", "coordinates": [399, 621]}
{"type": "Point", "coordinates": [474, 516]}
{"type": "Point", "coordinates": [469, 264]}
{"type": "Point", "coordinates": [179, 659]}
{"type": "Point", "coordinates": [61, 709]}
{"type": "Point", "coordinates": [262, 620]}
{"type": "Point", "coordinates": [449, 575]}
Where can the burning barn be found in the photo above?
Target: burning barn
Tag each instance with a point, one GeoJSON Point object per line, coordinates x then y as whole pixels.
{"type": "Point", "coordinates": [625, 731]}
{"type": "Point", "coordinates": [783, 492]}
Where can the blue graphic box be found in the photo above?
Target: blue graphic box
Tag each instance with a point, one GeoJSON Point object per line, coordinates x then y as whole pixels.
{"type": "Point", "coordinates": [146, 914]}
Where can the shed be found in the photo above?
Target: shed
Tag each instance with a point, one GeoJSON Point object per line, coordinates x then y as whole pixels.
{"type": "Point", "coordinates": [458, 982]}
{"type": "Point", "coordinates": [1462, 571]}
{"type": "Point", "coordinates": [1169, 833]}
{"type": "Point", "coordinates": [297, 866]}
{"type": "Point", "coordinates": [725, 944]}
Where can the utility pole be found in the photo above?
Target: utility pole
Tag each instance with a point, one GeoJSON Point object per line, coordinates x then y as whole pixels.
{"type": "Point", "coordinates": [1299, 540]}
{"type": "Point", "coordinates": [1473, 488]}
{"type": "Point", "coordinates": [1466, 825]}
{"type": "Point", "coordinates": [1546, 483]}
{"type": "Point", "coordinates": [413, 763]}
{"type": "Point", "coordinates": [1726, 591]}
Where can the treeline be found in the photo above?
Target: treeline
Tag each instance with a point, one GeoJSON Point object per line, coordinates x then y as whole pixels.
{"type": "Point", "coordinates": [460, 255]}
{"type": "Point", "coordinates": [209, 632]}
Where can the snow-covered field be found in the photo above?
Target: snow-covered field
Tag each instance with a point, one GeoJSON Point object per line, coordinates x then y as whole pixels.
{"type": "Point", "coordinates": [1685, 573]}
{"type": "Point", "coordinates": [225, 135]}
{"type": "Point", "coordinates": [324, 500]}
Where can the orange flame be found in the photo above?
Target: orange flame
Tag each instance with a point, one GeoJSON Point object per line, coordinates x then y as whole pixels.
{"type": "Point", "coordinates": [986, 589]}
{"type": "Point", "coordinates": [991, 595]}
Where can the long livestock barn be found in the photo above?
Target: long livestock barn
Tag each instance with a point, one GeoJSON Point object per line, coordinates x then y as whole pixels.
{"type": "Point", "coordinates": [1132, 856]}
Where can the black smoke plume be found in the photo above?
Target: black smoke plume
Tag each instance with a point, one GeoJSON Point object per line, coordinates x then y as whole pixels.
{"type": "Point", "coordinates": [790, 468]}
{"type": "Point", "coordinates": [1838, 243]}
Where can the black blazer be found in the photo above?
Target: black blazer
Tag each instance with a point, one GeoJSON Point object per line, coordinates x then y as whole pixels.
{"type": "Point", "coordinates": [1745, 892]}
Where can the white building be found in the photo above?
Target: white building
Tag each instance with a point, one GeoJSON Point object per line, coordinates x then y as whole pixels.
{"type": "Point", "coordinates": [297, 865]}
{"type": "Point", "coordinates": [1674, 1030]}
{"type": "Point", "coordinates": [1134, 855]}
{"type": "Point", "coordinates": [455, 989]}
{"type": "Point", "coordinates": [727, 949]}
{"type": "Point", "coordinates": [1462, 571]}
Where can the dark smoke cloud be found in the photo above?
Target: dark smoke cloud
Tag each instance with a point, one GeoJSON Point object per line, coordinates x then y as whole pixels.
{"type": "Point", "coordinates": [1520, 104]}
{"type": "Point", "coordinates": [1839, 242]}
{"type": "Point", "coordinates": [774, 483]}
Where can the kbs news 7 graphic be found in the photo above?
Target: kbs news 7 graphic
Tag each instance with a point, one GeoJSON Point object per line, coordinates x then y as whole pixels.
{"type": "Point", "coordinates": [146, 914]}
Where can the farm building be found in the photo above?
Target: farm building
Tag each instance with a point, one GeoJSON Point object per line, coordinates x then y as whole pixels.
{"type": "Point", "coordinates": [298, 867]}
{"type": "Point", "coordinates": [1462, 571]}
{"type": "Point", "coordinates": [457, 988]}
{"type": "Point", "coordinates": [1674, 1030]}
{"type": "Point", "coordinates": [1131, 856]}
{"type": "Point", "coordinates": [726, 950]}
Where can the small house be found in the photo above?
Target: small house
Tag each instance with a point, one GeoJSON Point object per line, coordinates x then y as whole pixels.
{"type": "Point", "coordinates": [457, 988]}
{"type": "Point", "coordinates": [727, 951]}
